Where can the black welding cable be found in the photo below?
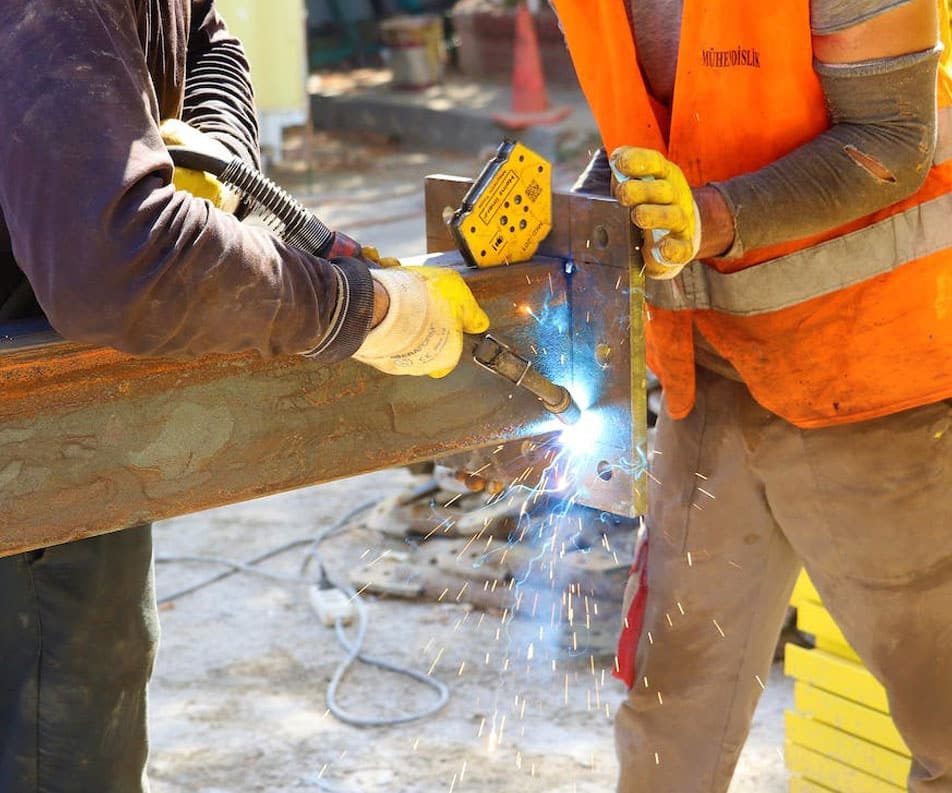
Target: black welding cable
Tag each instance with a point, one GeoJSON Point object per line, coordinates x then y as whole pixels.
{"type": "Point", "coordinates": [286, 216]}
{"type": "Point", "coordinates": [184, 157]}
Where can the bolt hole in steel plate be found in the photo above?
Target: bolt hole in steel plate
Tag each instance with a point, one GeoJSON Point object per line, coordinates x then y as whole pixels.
{"type": "Point", "coordinates": [603, 355]}
{"type": "Point", "coordinates": [600, 237]}
{"type": "Point", "coordinates": [604, 470]}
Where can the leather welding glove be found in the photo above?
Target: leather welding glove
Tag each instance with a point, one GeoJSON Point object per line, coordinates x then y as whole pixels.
{"type": "Point", "coordinates": [199, 183]}
{"type": "Point", "coordinates": [422, 333]}
{"type": "Point", "coordinates": [662, 204]}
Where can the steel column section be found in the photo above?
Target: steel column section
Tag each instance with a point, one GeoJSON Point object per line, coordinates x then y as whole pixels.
{"type": "Point", "coordinates": [608, 350]}
{"type": "Point", "coordinates": [600, 247]}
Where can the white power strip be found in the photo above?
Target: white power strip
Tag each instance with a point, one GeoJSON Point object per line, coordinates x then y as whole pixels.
{"type": "Point", "coordinates": [331, 605]}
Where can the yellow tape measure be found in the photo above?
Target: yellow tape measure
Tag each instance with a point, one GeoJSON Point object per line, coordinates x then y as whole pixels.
{"type": "Point", "coordinates": [508, 210]}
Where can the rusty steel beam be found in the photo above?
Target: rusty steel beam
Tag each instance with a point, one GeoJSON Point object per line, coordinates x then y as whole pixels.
{"type": "Point", "coordinates": [93, 441]}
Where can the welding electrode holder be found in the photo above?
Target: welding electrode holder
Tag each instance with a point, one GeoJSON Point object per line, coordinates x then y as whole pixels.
{"type": "Point", "coordinates": [502, 360]}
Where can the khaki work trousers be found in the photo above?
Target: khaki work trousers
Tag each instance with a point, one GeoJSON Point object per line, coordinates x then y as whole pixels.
{"type": "Point", "coordinates": [739, 500]}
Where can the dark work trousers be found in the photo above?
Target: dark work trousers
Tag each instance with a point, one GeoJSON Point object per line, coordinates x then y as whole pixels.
{"type": "Point", "coordinates": [78, 635]}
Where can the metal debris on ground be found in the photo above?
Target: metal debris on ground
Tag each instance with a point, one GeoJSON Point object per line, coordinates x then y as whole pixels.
{"type": "Point", "coordinates": [467, 538]}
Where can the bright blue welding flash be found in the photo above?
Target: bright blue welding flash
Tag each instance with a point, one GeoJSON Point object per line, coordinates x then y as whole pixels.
{"type": "Point", "coordinates": [582, 438]}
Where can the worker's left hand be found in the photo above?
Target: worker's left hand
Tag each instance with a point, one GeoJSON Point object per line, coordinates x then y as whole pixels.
{"type": "Point", "coordinates": [422, 333]}
{"type": "Point", "coordinates": [662, 204]}
{"type": "Point", "coordinates": [199, 183]}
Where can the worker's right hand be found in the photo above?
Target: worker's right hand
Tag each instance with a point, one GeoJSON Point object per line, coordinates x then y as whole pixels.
{"type": "Point", "coordinates": [198, 183]}
{"type": "Point", "coordinates": [422, 333]}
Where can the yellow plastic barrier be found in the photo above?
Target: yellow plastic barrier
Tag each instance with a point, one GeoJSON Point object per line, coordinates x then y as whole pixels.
{"type": "Point", "coordinates": [840, 737]}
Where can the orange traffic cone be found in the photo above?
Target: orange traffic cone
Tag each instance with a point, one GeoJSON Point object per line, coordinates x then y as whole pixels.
{"type": "Point", "coordinates": [530, 103]}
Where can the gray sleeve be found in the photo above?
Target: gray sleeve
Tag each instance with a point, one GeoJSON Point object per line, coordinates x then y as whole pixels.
{"type": "Point", "coordinates": [878, 151]}
{"type": "Point", "coordinates": [832, 16]}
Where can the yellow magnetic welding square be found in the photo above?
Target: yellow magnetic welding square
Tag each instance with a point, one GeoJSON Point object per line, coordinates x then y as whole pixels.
{"type": "Point", "coordinates": [507, 212]}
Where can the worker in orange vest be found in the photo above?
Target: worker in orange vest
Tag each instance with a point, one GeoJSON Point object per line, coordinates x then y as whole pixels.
{"type": "Point", "coordinates": [791, 170]}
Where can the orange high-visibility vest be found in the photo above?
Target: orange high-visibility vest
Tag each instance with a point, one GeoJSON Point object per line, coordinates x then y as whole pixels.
{"type": "Point", "coordinates": [848, 325]}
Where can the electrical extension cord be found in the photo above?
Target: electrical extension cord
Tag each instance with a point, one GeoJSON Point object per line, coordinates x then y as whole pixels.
{"type": "Point", "coordinates": [337, 604]}
{"type": "Point", "coordinates": [354, 647]}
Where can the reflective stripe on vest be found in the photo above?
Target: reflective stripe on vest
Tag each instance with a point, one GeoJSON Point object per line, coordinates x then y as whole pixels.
{"type": "Point", "coordinates": [813, 272]}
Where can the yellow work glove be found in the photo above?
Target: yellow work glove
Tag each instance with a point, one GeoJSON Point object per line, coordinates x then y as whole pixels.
{"type": "Point", "coordinates": [370, 253]}
{"type": "Point", "coordinates": [199, 183]}
{"type": "Point", "coordinates": [422, 333]}
{"type": "Point", "coordinates": [662, 204]}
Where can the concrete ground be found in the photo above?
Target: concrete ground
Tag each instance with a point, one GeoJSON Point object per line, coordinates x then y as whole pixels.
{"type": "Point", "coordinates": [237, 701]}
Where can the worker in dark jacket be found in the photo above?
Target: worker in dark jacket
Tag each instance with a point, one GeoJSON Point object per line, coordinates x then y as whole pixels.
{"type": "Point", "coordinates": [94, 233]}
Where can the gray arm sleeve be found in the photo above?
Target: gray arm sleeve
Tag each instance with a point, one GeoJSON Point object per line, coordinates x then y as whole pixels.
{"type": "Point", "coordinates": [832, 16]}
{"type": "Point", "coordinates": [878, 151]}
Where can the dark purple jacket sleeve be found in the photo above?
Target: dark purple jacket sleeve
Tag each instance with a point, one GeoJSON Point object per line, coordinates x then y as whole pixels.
{"type": "Point", "coordinates": [219, 99]}
{"type": "Point", "coordinates": [115, 255]}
